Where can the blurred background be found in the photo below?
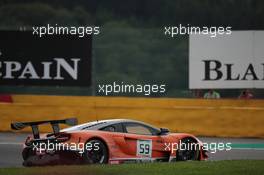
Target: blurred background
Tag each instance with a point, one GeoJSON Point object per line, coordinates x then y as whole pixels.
{"type": "Point", "coordinates": [131, 46]}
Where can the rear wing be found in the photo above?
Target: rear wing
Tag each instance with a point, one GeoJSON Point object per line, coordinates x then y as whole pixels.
{"type": "Point", "coordinates": [35, 129]}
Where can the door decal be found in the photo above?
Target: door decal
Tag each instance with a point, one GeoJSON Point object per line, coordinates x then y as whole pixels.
{"type": "Point", "coordinates": [144, 148]}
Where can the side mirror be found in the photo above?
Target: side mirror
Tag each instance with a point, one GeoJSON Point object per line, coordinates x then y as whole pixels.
{"type": "Point", "coordinates": [164, 131]}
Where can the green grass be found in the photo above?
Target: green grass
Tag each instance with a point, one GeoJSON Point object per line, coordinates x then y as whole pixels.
{"type": "Point", "coordinates": [237, 167]}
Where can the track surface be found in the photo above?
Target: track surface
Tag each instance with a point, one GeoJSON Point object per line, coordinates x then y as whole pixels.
{"type": "Point", "coordinates": [11, 146]}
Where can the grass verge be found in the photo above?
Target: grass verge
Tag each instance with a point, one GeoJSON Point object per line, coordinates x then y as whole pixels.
{"type": "Point", "coordinates": [230, 167]}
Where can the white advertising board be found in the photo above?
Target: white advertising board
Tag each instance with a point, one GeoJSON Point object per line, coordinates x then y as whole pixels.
{"type": "Point", "coordinates": [227, 61]}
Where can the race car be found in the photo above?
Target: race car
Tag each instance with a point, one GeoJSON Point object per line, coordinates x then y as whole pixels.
{"type": "Point", "coordinates": [112, 141]}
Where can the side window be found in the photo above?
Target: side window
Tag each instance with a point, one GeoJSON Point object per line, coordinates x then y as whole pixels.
{"type": "Point", "coordinates": [113, 128]}
{"type": "Point", "coordinates": [134, 128]}
{"type": "Point", "coordinates": [110, 128]}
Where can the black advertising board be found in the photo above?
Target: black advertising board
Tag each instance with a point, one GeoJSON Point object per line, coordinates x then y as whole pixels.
{"type": "Point", "coordinates": [50, 60]}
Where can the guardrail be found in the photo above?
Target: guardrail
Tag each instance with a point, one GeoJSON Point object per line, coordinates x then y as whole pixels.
{"type": "Point", "coordinates": [222, 117]}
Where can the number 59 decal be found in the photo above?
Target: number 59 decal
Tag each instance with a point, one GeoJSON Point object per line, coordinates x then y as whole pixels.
{"type": "Point", "coordinates": [144, 148]}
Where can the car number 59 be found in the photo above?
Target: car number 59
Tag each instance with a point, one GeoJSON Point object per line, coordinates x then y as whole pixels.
{"type": "Point", "coordinates": [144, 148]}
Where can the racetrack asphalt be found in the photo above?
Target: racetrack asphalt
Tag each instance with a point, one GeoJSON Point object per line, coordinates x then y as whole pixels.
{"type": "Point", "coordinates": [244, 148]}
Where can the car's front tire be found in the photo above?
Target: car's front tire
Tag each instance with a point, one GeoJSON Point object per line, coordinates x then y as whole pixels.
{"type": "Point", "coordinates": [190, 151]}
{"type": "Point", "coordinates": [95, 152]}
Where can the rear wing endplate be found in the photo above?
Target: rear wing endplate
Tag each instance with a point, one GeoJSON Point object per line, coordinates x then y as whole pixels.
{"type": "Point", "coordinates": [35, 129]}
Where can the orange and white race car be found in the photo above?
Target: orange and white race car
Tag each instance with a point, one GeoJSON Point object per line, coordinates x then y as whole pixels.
{"type": "Point", "coordinates": [112, 141]}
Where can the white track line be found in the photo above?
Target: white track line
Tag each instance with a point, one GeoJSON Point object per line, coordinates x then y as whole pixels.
{"type": "Point", "coordinates": [11, 143]}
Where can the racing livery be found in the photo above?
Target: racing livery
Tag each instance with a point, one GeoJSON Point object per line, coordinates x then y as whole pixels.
{"type": "Point", "coordinates": [112, 141]}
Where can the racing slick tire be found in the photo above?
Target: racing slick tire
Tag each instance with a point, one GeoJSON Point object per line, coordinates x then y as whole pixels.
{"type": "Point", "coordinates": [27, 152]}
{"type": "Point", "coordinates": [190, 151]}
{"type": "Point", "coordinates": [95, 152]}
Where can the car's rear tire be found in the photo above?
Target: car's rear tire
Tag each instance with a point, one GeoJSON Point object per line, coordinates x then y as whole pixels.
{"type": "Point", "coordinates": [95, 152]}
{"type": "Point", "coordinates": [192, 152]}
{"type": "Point", "coordinates": [27, 152]}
